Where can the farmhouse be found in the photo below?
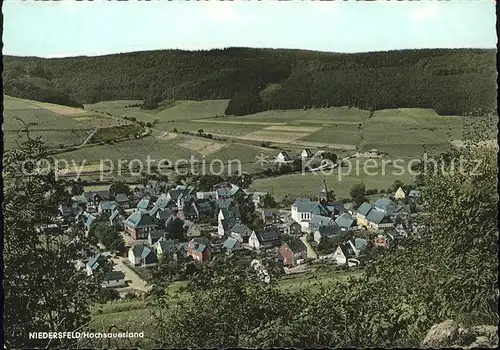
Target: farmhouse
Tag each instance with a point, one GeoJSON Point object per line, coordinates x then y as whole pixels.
{"type": "Point", "coordinates": [199, 249]}
{"type": "Point", "coordinates": [400, 194]}
{"type": "Point", "coordinates": [271, 216]}
{"type": "Point", "coordinates": [282, 157]}
{"type": "Point", "coordinates": [292, 227]}
{"type": "Point", "coordinates": [293, 252]}
{"type": "Point", "coordinates": [306, 153]}
{"type": "Point", "coordinates": [230, 245]}
{"type": "Point", "coordinates": [154, 236]}
{"type": "Point", "coordinates": [192, 230]}
{"type": "Point", "coordinates": [116, 218]}
{"type": "Point", "coordinates": [141, 255]}
{"type": "Point", "coordinates": [107, 208]}
{"type": "Point", "coordinates": [326, 232]}
{"type": "Point", "coordinates": [171, 247]}
{"type": "Point", "coordinates": [113, 279]}
{"type": "Point", "coordinates": [346, 222]}
{"type": "Point", "coordinates": [144, 205]}
{"type": "Point", "coordinates": [240, 232]}
{"type": "Point", "coordinates": [139, 224]}
{"type": "Point", "coordinates": [122, 200]}
{"type": "Point", "coordinates": [97, 262]}
{"type": "Point", "coordinates": [267, 238]}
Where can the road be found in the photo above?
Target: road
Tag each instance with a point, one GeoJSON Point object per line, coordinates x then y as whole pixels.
{"type": "Point", "coordinates": [134, 282]}
{"type": "Point", "coordinates": [311, 254]}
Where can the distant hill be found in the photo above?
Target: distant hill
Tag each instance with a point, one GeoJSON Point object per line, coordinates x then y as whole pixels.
{"type": "Point", "coordinates": [450, 81]}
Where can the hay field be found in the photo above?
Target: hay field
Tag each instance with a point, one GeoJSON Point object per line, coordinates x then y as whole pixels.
{"type": "Point", "coordinates": [203, 147]}
{"type": "Point", "coordinates": [178, 110]}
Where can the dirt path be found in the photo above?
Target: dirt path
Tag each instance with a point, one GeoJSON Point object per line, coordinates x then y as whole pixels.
{"type": "Point", "coordinates": [311, 254]}
{"type": "Point", "coordinates": [134, 281]}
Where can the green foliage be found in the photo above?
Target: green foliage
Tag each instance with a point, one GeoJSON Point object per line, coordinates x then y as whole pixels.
{"type": "Point", "coordinates": [119, 187]}
{"type": "Point", "coordinates": [176, 230]}
{"type": "Point", "coordinates": [244, 103]}
{"type": "Point", "coordinates": [450, 81]}
{"type": "Point", "coordinates": [107, 235]}
{"type": "Point", "coordinates": [43, 289]}
{"type": "Point", "coordinates": [269, 201]}
{"type": "Point", "coordinates": [358, 193]}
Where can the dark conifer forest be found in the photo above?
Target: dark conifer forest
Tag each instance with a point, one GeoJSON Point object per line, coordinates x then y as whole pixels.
{"type": "Point", "coordinates": [453, 82]}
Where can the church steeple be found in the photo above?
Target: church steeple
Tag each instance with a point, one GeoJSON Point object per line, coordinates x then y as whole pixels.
{"type": "Point", "coordinates": [323, 194]}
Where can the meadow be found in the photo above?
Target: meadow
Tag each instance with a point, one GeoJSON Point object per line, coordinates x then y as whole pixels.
{"type": "Point", "coordinates": [340, 180]}
{"type": "Point", "coordinates": [57, 125]}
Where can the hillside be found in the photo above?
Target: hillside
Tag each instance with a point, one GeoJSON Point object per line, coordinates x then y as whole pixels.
{"type": "Point", "coordinates": [450, 81]}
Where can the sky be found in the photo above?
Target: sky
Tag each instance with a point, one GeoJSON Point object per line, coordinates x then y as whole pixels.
{"type": "Point", "coordinates": [68, 28]}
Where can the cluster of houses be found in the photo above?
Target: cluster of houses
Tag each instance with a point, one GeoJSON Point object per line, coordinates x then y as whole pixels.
{"type": "Point", "coordinates": [152, 212]}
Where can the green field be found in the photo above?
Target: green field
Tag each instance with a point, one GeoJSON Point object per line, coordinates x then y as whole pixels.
{"type": "Point", "coordinates": [340, 180]}
{"type": "Point", "coordinates": [180, 110]}
{"type": "Point", "coordinates": [57, 125]}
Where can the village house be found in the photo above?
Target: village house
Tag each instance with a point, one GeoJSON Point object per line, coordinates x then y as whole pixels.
{"type": "Point", "coordinates": [95, 197]}
{"type": "Point", "coordinates": [378, 216]}
{"type": "Point", "coordinates": [142, 255]}
{"type": "Point", "coordinates": [79, 201]}
{"type": "Point", "coordinates": [303, 209]}
{"type": "Point", "coordinates": [270, 217]}
{"type": "Point", "coordinates": [400, 194]}
{"type": "Point", "coordinates": [89, 220]}
{"type": "Point", "coordinates": [204, 209]}
{"type": "Point", "coordinates": [267, 238]}
{"type": "Point", "coordinates": [116, 218]}
{"type": "Point", "coordinates": [192, 230]}
{"type": "Point", "coordinates": [97, 262]}
{"type": "Point", "coordinates": [227, 191]}
{"type": "Point", "coordinates": [206, 195]}
{"type": "Point", "coordinates": [155, 187]}
{"type": "Point", "coordinates": [199, 249]}
{"type": "Point", "coordinates": [107, 208]}
{"type": "Point", "coordinates": [346, 222]}
{"type": "Point", "coordinates": [240, 232]}
{"type": "Point", "coordinates": [154, 236]}
{"type": "Point", "coordinates": [329, 231]}
{"type": "Point", "coordinates": [163, 215]}
{"type": "Point", "coordinates": [306, 153]}
{"type": "Point", "coordinates": [230, 245]}
{"type": "Point", "coordinates": [139, 224]}
{"type": "Point", "coordinates": [227, 218]}
{"type": "Point", "coordinates": [292, 228]}
{"type": "Point", "coordinates": [282, 157]}
{"type": "Point", "coordinates": [162, 202]}
{"type": "Point", "coordinates": [122, 200]}
{"type": "Point", "coordinates": [144, 204]}
{"type": "Point", "coordinates": [188, 212]}
{"type": "Point", "coordinates": [176, 250]}
{"type": "Point", "coordinates": [181, 193]}
{"type": "Point", "coordinates": [348, 252]}
{"type": "Point", "coordinates": [293, 252]}
{"type": "Point", "coordinates": [113, 279]}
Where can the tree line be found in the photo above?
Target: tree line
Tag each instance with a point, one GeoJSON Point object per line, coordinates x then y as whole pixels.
{"type": "Point", "coordinates": [450, 81]}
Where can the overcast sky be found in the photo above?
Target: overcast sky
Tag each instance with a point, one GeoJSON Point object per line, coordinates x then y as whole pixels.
{"type": "Point", "coordinates": [67, 28]}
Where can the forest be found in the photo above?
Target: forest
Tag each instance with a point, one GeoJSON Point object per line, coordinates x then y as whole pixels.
{"type": "Point", "coordinates": [453, 82]}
